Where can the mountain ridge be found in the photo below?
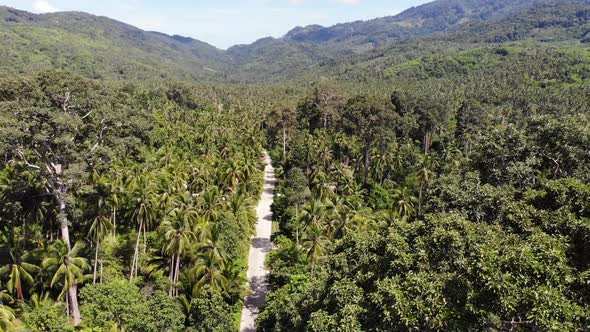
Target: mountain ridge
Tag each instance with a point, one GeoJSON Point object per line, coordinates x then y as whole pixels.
{"type": "Point", "coordinates": [98, 46]}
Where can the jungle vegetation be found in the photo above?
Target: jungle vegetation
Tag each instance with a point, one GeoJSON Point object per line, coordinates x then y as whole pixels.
{"type": "Point", "coordinates": [432, 176]}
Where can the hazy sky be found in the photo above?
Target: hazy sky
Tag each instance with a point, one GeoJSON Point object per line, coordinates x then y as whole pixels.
{"type": "Point", "coordinates": [224, 22]}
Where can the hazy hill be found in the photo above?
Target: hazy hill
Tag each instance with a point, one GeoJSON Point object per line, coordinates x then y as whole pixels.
{"type": "Point", "coordinates": [102, 47]}
{"type": "Point", "coordinates": [456, 21]}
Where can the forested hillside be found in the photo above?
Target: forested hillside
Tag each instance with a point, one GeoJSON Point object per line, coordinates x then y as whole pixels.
{"type": "Point", "coordinates": [98, 47]}
{"type": "Point", "coordinates": [127, 205]}
{"type": "Point", "coordinates": [101, 48]}
{"type": "Point", "coordinates": [433, 173]}
{"type": "Point", "coordinates": [456, 198]}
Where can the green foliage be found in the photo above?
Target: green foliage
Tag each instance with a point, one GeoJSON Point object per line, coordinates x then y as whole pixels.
{"type": "Point", "coordinates": [116, 302]}
{"type": "Point", "coordinates": [101, 48]}
{"type": "Point", "coordinates": [47, 317]}
{"type": "Point", "coordinates": [119, 303]}
{"type": "Point", "coordinates": [165, 314]}
{"type": "Point", "coordinates": [209, 313]}
{"type": "Point", "coordinates": [163, 192]}
{"type": "Point", "coordinates": [426, 181]}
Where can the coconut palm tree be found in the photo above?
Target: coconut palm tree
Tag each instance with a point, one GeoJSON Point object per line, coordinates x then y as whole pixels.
{"type": "Point", "coordinates": [208, 271]}
{"type": "Point", "coordinates": [424, 175]}
{"type": "Point", "coordinates": [116, 194]}
{"type": "Point", "coordinates": [342, 217]}
{"type": "Point", "coordinates": [210, 203]}
{"type": "Point", "coordinates": [312, 213]}
{"type": "Point", "coordinates": [210, 243]}
{"type": "Point", "coordinates": [314, 241]}
{"type": "Point", "coordinates": [19, 270]}
{"type": "Point", "coordinates": [178, 232]}
{"type": "Point", "coordinates": [320, 184]}
{"type": "Point", "coordinates": [19, 274]}
{"type": "Point", "coordinates": [68, 270]}
{"type": "Point", "coordinates": [101, 226]}
{"type": "Point", "coordinates": [235, 288]}
{"type": "Point", "coordinates": [403, 202]}
{"type": "Point", "coordinates": [143, 210]}
{"type": "Point", "coordinates": [232, 175]}
{"type": "Point", "coordinates": [7, 316]}
{"type": "Point", "coordinates": [251, 167]}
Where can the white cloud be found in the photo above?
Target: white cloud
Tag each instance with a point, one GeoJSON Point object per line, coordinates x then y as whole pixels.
{"type": "Point", "coordinates": [43, 6]}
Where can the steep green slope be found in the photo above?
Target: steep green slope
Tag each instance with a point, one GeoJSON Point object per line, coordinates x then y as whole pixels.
{"type": "Point", "coordinates": [99, 47]}
{"type": "Point", "coordinates": [558, 25]}
{"type": "Point", "coordinates": [440, 23]}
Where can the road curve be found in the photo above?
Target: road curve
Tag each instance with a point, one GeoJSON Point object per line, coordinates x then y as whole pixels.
{"type": "Point", "coordinates": [259, 247]}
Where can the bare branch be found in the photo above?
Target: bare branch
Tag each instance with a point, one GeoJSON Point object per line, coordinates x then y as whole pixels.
{"type": "Point", "coordinates": [22, 155]}
{"type": "Point", "coordinates": [100, 135]}
{"type": "Point", "coordinates": [87, 115]}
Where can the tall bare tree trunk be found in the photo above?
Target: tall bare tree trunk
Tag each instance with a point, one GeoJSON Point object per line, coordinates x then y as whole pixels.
{"type": "Point", "coordinates": [136, 254]}
{"type": "Point", "coordinates": [171, 276]}
{"type": "Point", "coordinates": [144, 239]}
{"type": "Point", "coordinates": [63, 226]}
{"type": "Point", "coordinates": [65, 234]}
{"type": "Point", "coordinates": [95, 263]}
{"type": "Point", "coordinates": [177, 275]}
{"type": "Point", "coordinates": [114, 222]}
{"type": "Point", "coordinates": [420, 199]}
{"type": "Point", "coordinates": [427, 142]}
{"type": "Point", "coordinates": [367, 164]}
{"type": "Point", "coordinates": [67, 306]}
{"type": "Point", "coordinates": [73, 295]}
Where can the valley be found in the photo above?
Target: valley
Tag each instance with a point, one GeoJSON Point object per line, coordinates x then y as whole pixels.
{"type": "Point", "coordinates": [427, 171]}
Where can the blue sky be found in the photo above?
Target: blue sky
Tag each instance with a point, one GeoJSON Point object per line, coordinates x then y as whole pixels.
{"type": "Point", "coordinates": [224, 22]}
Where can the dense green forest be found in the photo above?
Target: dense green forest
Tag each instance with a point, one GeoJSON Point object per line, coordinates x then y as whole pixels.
{"type": "Point", "coordinates": [433, 173]}
{"type": "Point", "coordinates": [139, 196]}
{"type": "Point", "coordinates": [460, 200]}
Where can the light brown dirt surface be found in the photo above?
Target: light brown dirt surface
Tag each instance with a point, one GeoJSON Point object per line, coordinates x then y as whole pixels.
{"type": "Point", "coordinates": [260, 246]}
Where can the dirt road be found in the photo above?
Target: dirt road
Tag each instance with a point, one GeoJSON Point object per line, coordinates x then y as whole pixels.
{"type": "Point", "coordinates": [260, 246]}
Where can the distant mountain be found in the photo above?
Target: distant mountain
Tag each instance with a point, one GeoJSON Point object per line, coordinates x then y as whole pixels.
{"type": "Point", "coordinates": [547, 22]}
{"type": "Point", "coordinates": [438, 16]}
{"type": "Point", "coordinates": [102, 47]}
{"type": "Point", "coordinates": [455, 19]}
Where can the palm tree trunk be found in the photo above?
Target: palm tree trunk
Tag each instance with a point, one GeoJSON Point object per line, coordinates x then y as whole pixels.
{"type": "Point", "coordinates": [171, 276]}
{"type": "Point", "coordinates": [67, 306]}
{"type": "Point", "coordinates": [19, 290]}
{"type": "Point", "coordinates": [420, 199]}
{"type": "Point", "coordinates": [136, 254]}
{"type": "Point", "coordinates": [65, 234]}
{"type": "Point", "coordinates": [367, 164]}
{"type": "Point", "coordinates": [95, 263]}
{"type": "Point", "coordinates": [177, 275]}
{"type": "Point", "coordinates": [144, 239]}
{"type": "Point", "coordinates": [65, 231]}
{"type": "Point", "coordinates": [100, 271]}
{"type": "Point", "coordinates": [427, 142]}
{"type": "Point", "coordinates": [114, 222]}
{"type": "Point", "coordinates": [73, 295]}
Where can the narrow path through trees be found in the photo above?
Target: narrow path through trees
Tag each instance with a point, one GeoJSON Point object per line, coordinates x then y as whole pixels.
{"type": "Point", "coordinates": [260, 246]}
